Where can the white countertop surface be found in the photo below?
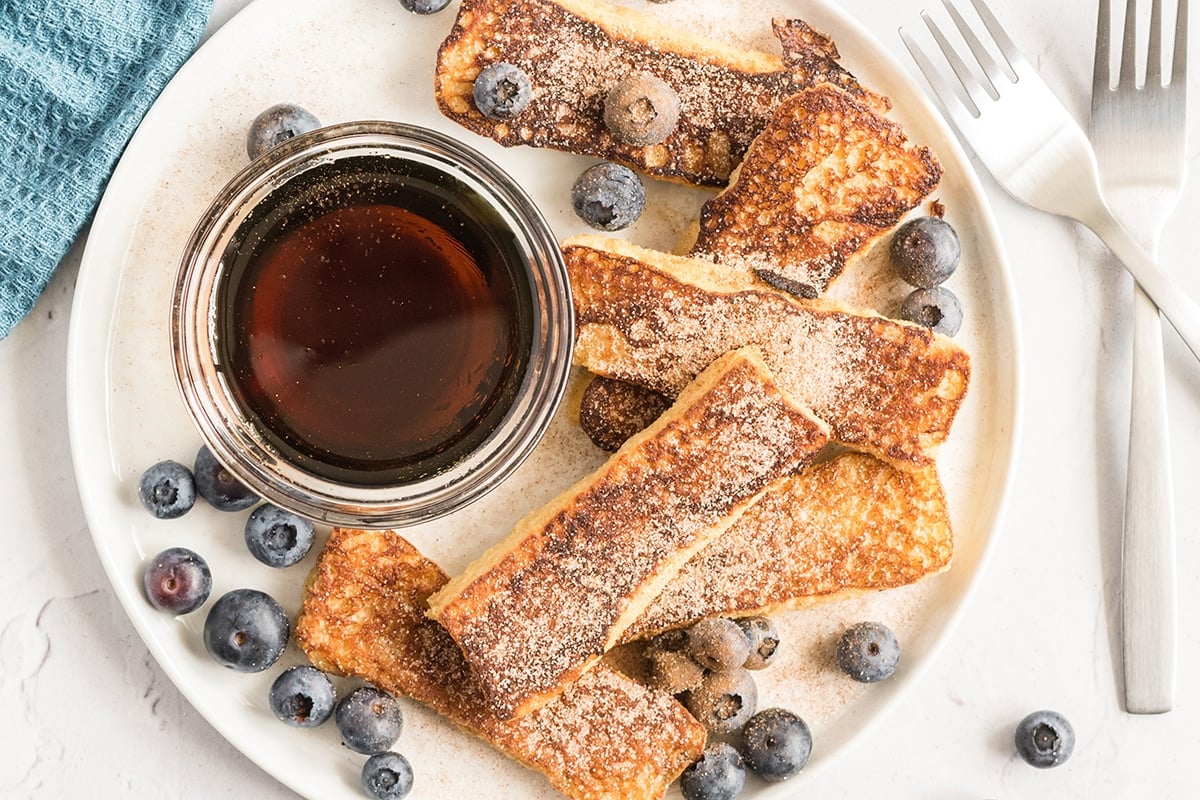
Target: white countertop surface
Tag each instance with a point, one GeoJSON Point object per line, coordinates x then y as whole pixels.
{"type": "Point", "coordinates": [86, 709]}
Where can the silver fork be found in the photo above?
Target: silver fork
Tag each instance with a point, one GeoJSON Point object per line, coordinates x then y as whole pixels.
{"type": "Point", "coordinates": [1037, 152]}
{"type": "Point", "coordinates": [1142, 184]}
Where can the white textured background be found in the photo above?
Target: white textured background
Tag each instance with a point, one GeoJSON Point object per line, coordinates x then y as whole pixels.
{"type": "Point", "coordinates": [85, 710]}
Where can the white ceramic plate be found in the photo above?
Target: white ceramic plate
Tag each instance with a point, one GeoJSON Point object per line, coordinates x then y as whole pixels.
{"type": "Point", "coordinates": [360, 59]}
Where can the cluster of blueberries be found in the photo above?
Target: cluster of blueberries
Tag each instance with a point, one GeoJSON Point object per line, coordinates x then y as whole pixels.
{"type": "Point", "coordinates": [247, 630]}
{"type": "Point", "coordinates": [709, 667]}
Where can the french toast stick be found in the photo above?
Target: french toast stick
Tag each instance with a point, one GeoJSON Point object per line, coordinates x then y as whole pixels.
{"type": "Point", "coordinates": [538, 609]}
{"type": "Point", "coordinates": [605, 738]}
{"type": "Point", "coordinates": [836, 529]}
{"type": "Point", "coordinates": [575, 51]}
{"type": "Point", "coordinates": [886, 387]}
{"type": "Point", "coordinates": [824, 180]}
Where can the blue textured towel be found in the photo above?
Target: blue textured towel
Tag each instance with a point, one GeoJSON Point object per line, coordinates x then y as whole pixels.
{"type": "Point", "coordinates": [76, 77]}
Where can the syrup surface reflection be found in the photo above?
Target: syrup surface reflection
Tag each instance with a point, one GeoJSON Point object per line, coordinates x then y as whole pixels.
{"type": "Point", "coordinates": [372, 321]}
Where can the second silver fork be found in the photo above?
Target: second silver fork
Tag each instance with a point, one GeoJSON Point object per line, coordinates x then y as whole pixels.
{"type": "Point", "coordinates": [1139, 138]}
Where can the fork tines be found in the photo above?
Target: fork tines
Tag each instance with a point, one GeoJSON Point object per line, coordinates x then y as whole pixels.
{"type": "Point", "coordinates": [1127, 56]}
{"type": "Point", "coordinates": [980, 87]}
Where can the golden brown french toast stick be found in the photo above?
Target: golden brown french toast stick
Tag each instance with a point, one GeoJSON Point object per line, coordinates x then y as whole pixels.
{"type": "Point", "coordinates": [824, 180]}
{"type": "Point", "coordinates": [539, 609]}
{"type": "Point", "coordinates": [889, 388]}
{"type": "Point", "coordinates": [836, 529]}
{"type": "Point", "coordinates": [575, 51]}
{"type": "Point", "coordinates": [605, 738]}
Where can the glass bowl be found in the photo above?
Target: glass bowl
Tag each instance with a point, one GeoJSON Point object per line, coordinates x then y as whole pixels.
{"type": "Point", "coordinates": [372, 325]}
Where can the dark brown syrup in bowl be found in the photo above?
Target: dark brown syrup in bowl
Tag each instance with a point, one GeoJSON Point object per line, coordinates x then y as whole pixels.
{"type": "Point", "coordinates": [374, 320]}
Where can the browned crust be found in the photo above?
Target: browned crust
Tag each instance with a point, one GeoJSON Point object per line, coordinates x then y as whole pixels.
{"type": "Point", "coordinates": [605, 738]}
{"type": "Point", "coordinates": [541, 607]}
{"type": "Point", "coordinates": [825, 179]}
{"type": "Point", "coordinates": [575, 51]}
{"type": "Point", "coordinates": [885, 387]}
{"type": "Point", "coordinates": [840, 528]}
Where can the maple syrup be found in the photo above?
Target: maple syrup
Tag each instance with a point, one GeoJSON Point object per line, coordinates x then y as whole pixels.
{"type": "Point", "coordinates": [373, 320]}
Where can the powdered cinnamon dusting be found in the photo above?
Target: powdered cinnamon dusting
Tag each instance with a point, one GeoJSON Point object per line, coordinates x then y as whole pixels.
{"type": "Point", "coordinates": [889, 388]}
{"type": "Point", "coordinates": [605, 737]}
{"type": "Point", "coordinates": [569, 582]}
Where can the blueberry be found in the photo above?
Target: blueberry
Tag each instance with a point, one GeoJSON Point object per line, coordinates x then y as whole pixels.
{"type": "Point", "coordinates": [868, 652]}
{"type": "Point", "coordinates": [387, 776]}
{"type": "Point", "coordinates": [718, 774]}
{"type": "Point", "coordinates": [925, 251]}
{"type": "Point", "coordinates": [717, 643]}
{"type": "Point", "coordinates": [302, 696]}
{"type": "Point", "coordinates": [167, 490]}
{"type": "Point", "coordinates": [177, 580]}
{"type": "Point", "coordinates": [641, 109]}
{"type": "Point", "coordinates": [424, 6]}
{"type": "Point", "coordinates": [1044, 739]}
{"type": "Point", "coordinates": [218, 486]}
{"type": "Point", "coordinates": [673, 671]}
{"type": "Point", "coordinates": [246, 630]}
{"type": "Point", "coordinates": [764, 641]}
{"type": "Point", "coordinates": [935, 308]}
{"type": "Point", "coordinates": [608, 196]}
{"type": "Point", "coordinates": [276, 537]}
{"type": "Point", "coordinates": [672, 641]}
{"type": "Point", "coordinates": [369, 720]}
{"type": "Point", "coordinates": [277, 124]}
{"type": "Point", "coordinates": [776, 744]}
{"type": "Point", "coordinates": [724, 700]}
{"type": "Point", "coordinates": [501, 90]}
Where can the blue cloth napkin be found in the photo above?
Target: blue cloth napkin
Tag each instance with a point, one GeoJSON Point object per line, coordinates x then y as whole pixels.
{"type": "Point", "coordinates": [76, 77]}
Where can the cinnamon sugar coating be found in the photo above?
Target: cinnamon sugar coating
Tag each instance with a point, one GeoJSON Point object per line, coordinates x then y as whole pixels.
{"type": "Point", "coordinates": [836, 529]}
{"type": "Point", "coordinates": [605, 738]}
{"type": "Point", "coordinates": [885, 387]}
{"type": "Point", "coordinates": [575, 51]}
{"type": "Point", "coordinates": [541, 607]}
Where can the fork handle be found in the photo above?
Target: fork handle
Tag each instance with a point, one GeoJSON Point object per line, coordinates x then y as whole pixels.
{"type": "Point", "coordinates": [1180, 310]}
{"type": "Point", "coordinates": [1148, 580]}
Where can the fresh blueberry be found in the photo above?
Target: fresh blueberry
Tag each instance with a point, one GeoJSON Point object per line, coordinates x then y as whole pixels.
{"type": "Point", "coordinates": [387, 776]}
{"type": "Point", "coordinates": [764, 641]}
{"type": "Point", "coordinates": [177, 580]}
{"type": "Point", "coordinates": [608, 196]}
{"type": "Point", "coordinates": [717, 643]}
{"type": "Point", "coordinates": [369, 720]}
{"type": "Point", "coordinates": [925, 251]}
{"type": "Point", "coordinates": [868, 652]}
{"type": "Point", "coordinates": [246, 630]}
{"type": "Point", "coordinates": [718, 774]}
{"type": "Point", "coordinates": [302, 696]}
{"type": "Point", "coordinates": [641, 109]}
{"type": "Point", "coordinates": [276, 537]}
{"type": "Point", "coordinates": [673, 671]}
{"type": "Point", "coordinates": [1045, 739]}
{"type": "Point", "coordinates": [672, 641]}
{"type": "Point", "coordinates": [424, 6]}
{"type": "Point", "coordinates": [218, 486]}
{"type": "Point", "coordinates": [776, 744]}
{"type": "Point", "coordinates": [724, 700]}
{"type": "Point", "coordinates": [935, 308]}
{"type": "Point", "coordinates": [277, 124]}
{"type": "Point", "coordinates": [167, 490]}
{"type": "Point", "coordinates": [501, 90]}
